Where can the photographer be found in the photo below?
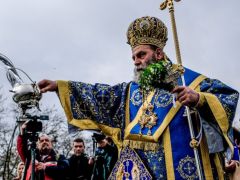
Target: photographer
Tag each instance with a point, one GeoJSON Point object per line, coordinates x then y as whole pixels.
{"type": "Point", "coordinates": [106, 156]}
{"type": "Point", "coordinates": [48, 164]}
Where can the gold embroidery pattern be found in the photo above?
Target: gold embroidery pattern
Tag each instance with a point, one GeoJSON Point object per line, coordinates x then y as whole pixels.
{"type": "Point", "coordinates": [97, 102]}
{"type": "Point", "coordinates": [129, 166]}
{"type": "Point", "coordinates": [187, 168]}
{"type": "Point", "coordinates": [163, 98]}
{"type": "Point", "coordinates": [135, 172]}
{"type": "Point", "coordinates": [136, 97]}
{"type": "Point", "coordinates": [147, 30]}
{"type": "Point", "coordinates": [143, 145]}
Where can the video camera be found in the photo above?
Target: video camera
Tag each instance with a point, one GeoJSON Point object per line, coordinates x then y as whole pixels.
{"type": "Point", "coordinates": [33, 125]}
{"type": "Point", "coordinates": [98, 137]}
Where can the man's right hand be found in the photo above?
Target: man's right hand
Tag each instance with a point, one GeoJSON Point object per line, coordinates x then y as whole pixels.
{"type": "Point", "coordinates": [47, 85]}
{"type": "Point", "coordinates": [23, 127]}
{"type": "Point", "coordinates": [231, 165]}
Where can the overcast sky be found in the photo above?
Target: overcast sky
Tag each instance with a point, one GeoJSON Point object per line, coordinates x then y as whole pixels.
{"type": "Point", "coordinates": [85, 40]}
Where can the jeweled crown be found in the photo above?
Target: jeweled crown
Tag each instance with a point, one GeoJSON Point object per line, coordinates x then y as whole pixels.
{"type": "Point", "coordinates": [147, 30]}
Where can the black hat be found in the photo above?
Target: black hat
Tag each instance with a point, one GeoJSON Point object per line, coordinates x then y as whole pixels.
{"type": "Point", "coordinates": [98, 137]}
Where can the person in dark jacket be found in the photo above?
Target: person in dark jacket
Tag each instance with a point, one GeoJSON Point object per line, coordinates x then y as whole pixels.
{"type": "Point", "coordinates": [105, 157]}
{"type": "Point", "coordinates": [80, 163]}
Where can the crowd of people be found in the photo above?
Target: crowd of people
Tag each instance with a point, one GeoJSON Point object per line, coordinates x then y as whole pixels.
{"type": "Point", "coordinates": [147, 123]}
{"type": "Point", "coordinates": [79, 166]}
{"type": "Point", "coordinates": [50, 165]}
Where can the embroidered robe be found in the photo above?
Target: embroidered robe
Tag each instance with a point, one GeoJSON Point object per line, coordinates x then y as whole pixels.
{"type": "Point", "coordinates": [165, 152]}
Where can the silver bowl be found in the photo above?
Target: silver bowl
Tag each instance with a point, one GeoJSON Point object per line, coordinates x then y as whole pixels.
{"type": "Point", "coordinates": [26, 93]}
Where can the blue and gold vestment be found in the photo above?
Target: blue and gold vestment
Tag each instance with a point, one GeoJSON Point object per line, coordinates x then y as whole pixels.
{"type": "Point", "coordinates": [165, 153]}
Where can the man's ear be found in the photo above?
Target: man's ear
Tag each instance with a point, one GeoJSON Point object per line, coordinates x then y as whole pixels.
{"type": "Point", "coordinates": [159, 54]}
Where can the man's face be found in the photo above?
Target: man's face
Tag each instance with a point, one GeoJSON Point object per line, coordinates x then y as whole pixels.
{"type": "Point", "coordinates": [142, 56]}
{"type": "Point", "coordinates": [44, 144]}
{"type": "Point", "coordinates": [78, 148]}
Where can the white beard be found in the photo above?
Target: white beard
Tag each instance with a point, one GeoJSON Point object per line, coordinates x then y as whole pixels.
{"type": "Point", "coordinates": [138, 70]}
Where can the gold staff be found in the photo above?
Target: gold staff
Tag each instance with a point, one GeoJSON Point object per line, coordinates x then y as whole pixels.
{"type": "Point", "coordinates": [194, 143]}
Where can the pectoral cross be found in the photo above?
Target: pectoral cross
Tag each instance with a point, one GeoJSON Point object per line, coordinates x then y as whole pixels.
{"type": "Point", "coordinates": [148, 118]}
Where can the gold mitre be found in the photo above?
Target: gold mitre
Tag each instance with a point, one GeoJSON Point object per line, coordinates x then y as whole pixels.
{"type": "Point", "coordinates": [147, 30]}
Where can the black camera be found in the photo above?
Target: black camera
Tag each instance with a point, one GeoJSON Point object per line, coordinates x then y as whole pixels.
{"type": "Point", "coordinates": [98, 137]}
{"type": "Point", "coordinates": [34, 126]}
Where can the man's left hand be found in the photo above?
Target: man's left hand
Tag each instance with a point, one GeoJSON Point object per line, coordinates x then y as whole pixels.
{"type": "Point", "coordinates": [186, 96]}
